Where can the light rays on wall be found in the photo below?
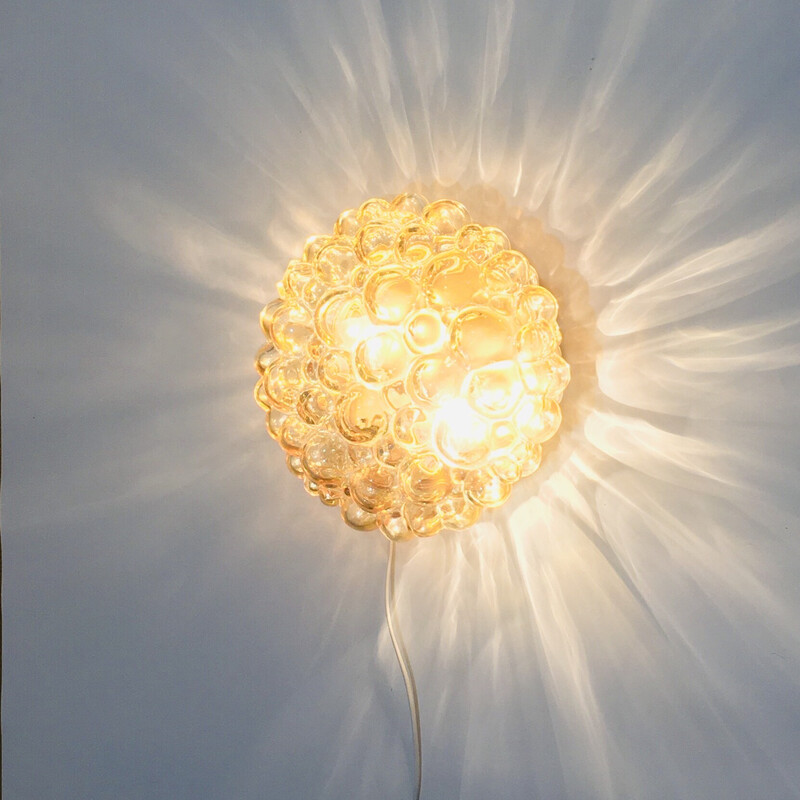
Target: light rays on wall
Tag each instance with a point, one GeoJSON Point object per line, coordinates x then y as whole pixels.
{"type": "Point", "coordinates": [627, 604]}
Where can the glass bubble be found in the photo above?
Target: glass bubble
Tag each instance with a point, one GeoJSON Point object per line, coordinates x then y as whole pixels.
{"type": "Point", "coordinates": [315, 348]}
{"type": "Point", "coordinates": [497, 280]}
{"type": "Point", "coordinates": [312, 246]}
{"type": "Point", "coordinates": [390, 294]}
{"type": "Point", "coordinates": [469, 236]}
{"type": "Point", "coordinates": [356, 517]}
{"type": "Point", "coordinates": [294, 434]}
{"type": "Point", "coordinates": [314, 405]}
{"type": "Point", "coordinates": [275, 421]}
{"type": "Point", "coordinates": [536, 341]}
{"type": "Point", "coordinates": [528, 455]}
{"type": "Point", "coordinates": [283, 382]}
{"type": "Point", "coordinates": [441, 244]}
{"type": "Point", "coordinates": [504, 303]}
{"type": "Point", "coordinates": [294, 280]}
{"type": "Point", "coordinates": [334, 262]}
{"type": "Point", "coordinates": [446, 217]}
{"type": "Point", "coordinates": [551, 411]}
{"type": "Point", "coordinates": [329, 495]}
{"type": "Point", "coordinates": [515, 265]}
{"type": "Point", "coordinates": [494, 390]}
{"type": "Point", "coordinates": [325, 456]}
{"type": "Point", "coordinates": [359, 276]}
{"type": "Point", "coordinates": [480, 336]}
{"type": "Point", "coordinates": [389, 452]}
{"type": "Point", "coordinates": [414, 243]}
{"type": "Point", "coordinates": [283, 292]}
{"type": "Point", "coordinates": [392, 524]}
{"type": "Point", "coordinates": [424, 331]}
{"type": "Point", "coordinates": [291, 328]}
{"type": "Point", "coordinates": [536, 304]}
{"type": "Point", "coordinates": [485, 489]}
{"type": "Point", "coordinates": [309, 371]}
{"type": "Point", "coordinates": [373, 487]}
{"type": "Point", "coordinates": [396, 396]}
{"type": "Point", "coordinates": [538, 425]}
{"type": "Point", "coordinates": [503, 435]}
{"type": "Point", "coordinates": [458, 512]}
{"type": "Point", "coordinates": [333, 311]}
{"type": "Point", "coordinates": [458, 476]}
{"type": "Point", "coordinates": [360, 416]}
{"type": "Point", "coordinates": [433, 379]}
{"type": "Point", "coordinates": [295, 464]}
{"type": "Point", "coordinates": [260, 395]}
{"type": "Point", "coordinates": [375, 243]}
{"type": "Point", "coordinates": [548, 375]}
{"type": "Point", "coordinates": [461, 435]}
{"type": "Point", "coordinates": [423, 434]}
{"type": "Point", "coordinates": [451, 280]}
{"type": "Point", "coordinates": [265, 356]}
{"type": "Point", "coordinates": [350, 322]}
{"type": "Point", "coordinates": [361, 455]}
{"type": "Point", "coordinates": [265, 318]}
{"type": "Point", "coordinates": [530, 406]}
{"type": "Point", "coordinates": [491, 242]}
{"type": "Point", "coordinates": [381, 358]}
{"type": "Point", "coordinates": [408, 426]}
{"type": "Point", "coordinates": [354, 325]}
{"type": "Point", "coordinates": [422, 519]}
{"type": "Point", "coordinates": [347, 224]}
{"type": "Point", "coordinates": [425, 479]}
{"type": "Point", "coordinates": [507, 469]}
{"type": "Point", "coordinates": [313, 291]}
{"type": "Point", "coordinates": [375, 209]}
{"type": "Point", "coordinates": [334, 370]}
{"type": "Point", "coordinates": [531, 464]}
{"type": "Point", "coordinates": [408, 204]}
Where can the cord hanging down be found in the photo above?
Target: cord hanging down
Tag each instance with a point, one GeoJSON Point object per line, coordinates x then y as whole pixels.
{"type": "Point", "coordinates": [405, 667]}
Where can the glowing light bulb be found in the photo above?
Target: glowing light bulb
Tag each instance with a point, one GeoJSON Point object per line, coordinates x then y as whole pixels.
{"type": "Point", "coordinates": [412, 367]}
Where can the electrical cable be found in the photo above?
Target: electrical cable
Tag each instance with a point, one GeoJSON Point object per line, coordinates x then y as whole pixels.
{"type": "Point", "coordinates": [405, 667]}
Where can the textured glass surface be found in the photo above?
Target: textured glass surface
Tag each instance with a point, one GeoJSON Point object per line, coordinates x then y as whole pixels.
{"type": "Point", "coordinates": [412, 367]}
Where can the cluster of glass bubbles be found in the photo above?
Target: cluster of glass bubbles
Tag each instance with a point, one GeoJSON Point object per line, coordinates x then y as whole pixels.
{"type": "Point", "coordinates": [412, 367]}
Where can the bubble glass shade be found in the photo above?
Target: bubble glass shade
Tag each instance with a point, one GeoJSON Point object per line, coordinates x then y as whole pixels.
{"type": "Point", "coordinates": [412, 367]}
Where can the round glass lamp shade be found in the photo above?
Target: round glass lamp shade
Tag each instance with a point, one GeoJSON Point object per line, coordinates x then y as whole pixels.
{"type": "Point", "coordinates": [412, 367]}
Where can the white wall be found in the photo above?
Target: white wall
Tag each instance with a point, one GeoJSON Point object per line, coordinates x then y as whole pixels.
{"type": "Point", "coordinates": [181, 620]}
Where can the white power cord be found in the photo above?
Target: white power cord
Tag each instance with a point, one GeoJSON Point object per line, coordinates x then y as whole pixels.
{"type": "Point", "coordinates": [405, 667]}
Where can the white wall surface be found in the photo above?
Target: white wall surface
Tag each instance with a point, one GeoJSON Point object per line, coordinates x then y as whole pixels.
{"type": "Point", "coordinates": [181, 620]}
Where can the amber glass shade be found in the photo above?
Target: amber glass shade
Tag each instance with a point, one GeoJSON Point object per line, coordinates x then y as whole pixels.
{"type": "Point", "coordinates": [412, 367]}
